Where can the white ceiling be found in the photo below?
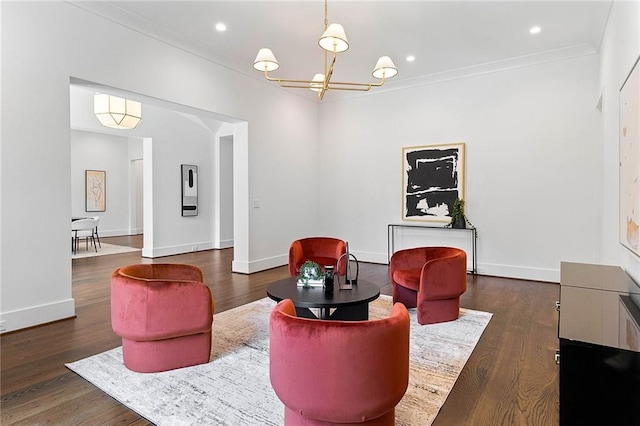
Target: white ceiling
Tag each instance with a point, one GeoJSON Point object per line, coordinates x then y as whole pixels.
{"type": "Point", "coordinates": [444, 36]}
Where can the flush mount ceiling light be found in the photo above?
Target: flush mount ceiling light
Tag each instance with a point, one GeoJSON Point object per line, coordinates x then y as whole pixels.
{"type": "Point", "coordinates": [117, 113]}
{"type": "Point", "coordinates": [333, 41]}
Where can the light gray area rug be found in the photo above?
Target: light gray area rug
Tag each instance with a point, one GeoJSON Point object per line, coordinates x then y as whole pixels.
{"type": "Point", "coordinates": [102, 251]}
{"type": "Point", "coordinates": [234, 388]}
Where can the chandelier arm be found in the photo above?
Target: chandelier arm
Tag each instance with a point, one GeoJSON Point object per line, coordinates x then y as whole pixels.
{"type": "Point", "coordinates": [362, 88]}
{"type": "Point", "coordinates": [358, 86]}
{"type": "Point", "coordinates": [353, 89]}
{"type": "Point", "coordinates": [331, 85]}
{"type": "Point", "coordinates": [288, 80]}
{"type": "Point", "coordinates": [352, 84]}
{"type": "Point", "coordinates": [288, 84]}
{"type": "Point", "coordinates": [327, 78]}
{"type": "Point", "coordinates": [325, 69]}
{"type": "Point", "coordinates": [378, 84]}
{"type": "Point", "coordinates": [303, 84]}
{"type": "Point", "coordinates": [329, 74]}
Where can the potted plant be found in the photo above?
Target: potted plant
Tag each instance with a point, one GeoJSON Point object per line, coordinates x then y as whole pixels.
{"type": "Point", "coordinates": [311, 275]}
{"type": "Point", "coordinates": [458, 218]}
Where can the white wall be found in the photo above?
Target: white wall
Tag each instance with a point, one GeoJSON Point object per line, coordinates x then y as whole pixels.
{"type": "Point", "coordinates": [224, 183]}
{"type": "Point", "coordinates": [530, 156]}
{"type": "Point", "coordinates": [44, 46]}
{"type": "Point", "coordinates": [136, 188]}
{"type": "Point", "coordinates": [619, 51]}
{"type": "Point", "coordinates": [538, 179]}
{"type": "Point", "coordinates": [94, 151]}
{"type": "Point", "coordinates": [136, 214]}
{"type": "Point", "coordinates": [178, 138]}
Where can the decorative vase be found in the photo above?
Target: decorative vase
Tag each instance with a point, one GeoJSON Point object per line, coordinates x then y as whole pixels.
{"type": "Point", "coordinates": [459, 223]}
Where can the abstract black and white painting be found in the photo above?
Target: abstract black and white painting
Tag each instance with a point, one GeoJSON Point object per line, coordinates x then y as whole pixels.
{"type": "Point", "coordinates": [433, 178]}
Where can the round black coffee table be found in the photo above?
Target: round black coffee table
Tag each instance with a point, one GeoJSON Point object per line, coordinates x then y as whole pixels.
{"type": "Point", "coordinates": [350, 305]}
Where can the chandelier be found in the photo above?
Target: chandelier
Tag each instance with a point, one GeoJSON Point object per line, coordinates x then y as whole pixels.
{"type": "Point", "coordinates": [117, 113]}
{"type": "Point", "coordinates": [333, 41]}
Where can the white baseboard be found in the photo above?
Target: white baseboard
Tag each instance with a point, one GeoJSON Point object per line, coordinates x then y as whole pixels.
{"type": "Point", "coordinates": [497, 270]}
{"type": "Point", "coordinates": [282, 260]}
{"type": "Point", "coordinates": [520, 272]}
{"type": "Point", "coordinates": [259, 265]}
{"type": "Point", "coordinates": [370, 257]}
{"type": "Point", "coordinates": [240, 267]}
{"type": "Point", "coordinates": [118, 232]}
{"type": "Point", "coordinates": [223, 244]}
{"type": "Point", "coordinates": [37, 315]}
{"type": "Point", "coordinates": [169, 251]}
{"type": "Point", "coordinates": [504, 271]}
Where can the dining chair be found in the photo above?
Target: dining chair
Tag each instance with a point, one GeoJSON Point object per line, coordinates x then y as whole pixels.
{"type": "Point", "coordinates": [83, 228]}
{"type": "Point", "coordinates": [95, 230]}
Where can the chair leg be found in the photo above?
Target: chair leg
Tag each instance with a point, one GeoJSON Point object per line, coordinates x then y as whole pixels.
{"type": "Point", "coordinates": [98, 237]}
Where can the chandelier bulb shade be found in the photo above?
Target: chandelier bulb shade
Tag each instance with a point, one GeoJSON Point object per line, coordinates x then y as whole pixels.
{"type": "Point", "coordinates": [334, 39]}
{"type": "Point", "coordinates": [117, 113]}
{"type": "Point", "coordinates": [384, 68]}
{"type": "Point", "coordinates": [317, 82]}
{"type": "Point", "coordinates": [266, 60]}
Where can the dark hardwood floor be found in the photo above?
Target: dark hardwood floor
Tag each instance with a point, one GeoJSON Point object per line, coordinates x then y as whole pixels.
{"type": "Point", "coordinates": [510, 379]}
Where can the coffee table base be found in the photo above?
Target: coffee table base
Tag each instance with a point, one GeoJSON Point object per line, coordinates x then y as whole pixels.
{"type": "Point", "coordinates": [346, 313]}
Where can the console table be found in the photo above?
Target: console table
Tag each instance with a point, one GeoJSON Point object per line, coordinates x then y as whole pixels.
{"type": "Point", "coordinates": [472, 233]}
{"type": "Point", "coordinates": [599, 356]}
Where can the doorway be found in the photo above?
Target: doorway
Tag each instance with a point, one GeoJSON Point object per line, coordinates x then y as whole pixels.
{"type": "Point", "coordinates": [142, 186]}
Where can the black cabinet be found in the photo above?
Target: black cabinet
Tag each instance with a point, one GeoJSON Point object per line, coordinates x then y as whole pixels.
{"type": "Point", "coordinates": [599, 335]}
{"type": "Point", "coordinates": [599, 385]}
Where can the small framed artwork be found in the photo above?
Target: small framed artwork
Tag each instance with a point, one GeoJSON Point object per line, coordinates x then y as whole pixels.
{"type": "Point", "coordinates": [630, 161]}
{"type": "Point", "coordinates": [189, 185]}
{"type": "Point", "coordinates": [432, 179]}
{"type": "Point", "coordinates": [95, 183]}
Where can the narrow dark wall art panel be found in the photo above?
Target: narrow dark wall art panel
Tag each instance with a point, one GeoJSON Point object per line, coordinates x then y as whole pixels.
{"type": "Point", "coordinates": [433, 178]}
{"type": "Point", "coordinates": [189, 190]}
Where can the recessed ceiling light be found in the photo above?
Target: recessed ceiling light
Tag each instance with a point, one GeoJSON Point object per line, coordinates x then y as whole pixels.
{"type": "Point", "coordinates": [535, 30]}
{"type": "Point", "coordinates": [221, 27]}
{"type": "Point", "coordinates": [411, 58]}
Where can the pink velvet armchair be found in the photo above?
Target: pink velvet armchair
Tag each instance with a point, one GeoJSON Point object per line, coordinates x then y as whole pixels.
{"type": "Point", "coordinates": [164, 313]}
{"type": "Point", "coordinates": [333, 372]}
{"type": "Point", "coordinates": [321, 250]}
{"type": "Point", "coordinates": [431, 279]}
